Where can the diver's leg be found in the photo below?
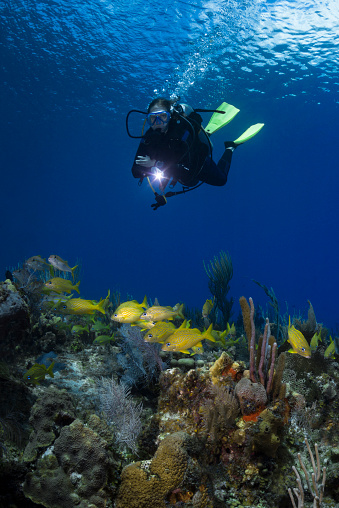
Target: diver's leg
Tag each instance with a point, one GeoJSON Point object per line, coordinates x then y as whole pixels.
{"type": "Point", "coordinates": [224, 163]}
{"type": "Point", "coordinates": [212, 174]}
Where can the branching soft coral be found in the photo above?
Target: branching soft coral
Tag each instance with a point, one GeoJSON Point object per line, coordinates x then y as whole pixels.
{"type": "Point", "coordinates": [121, 411]}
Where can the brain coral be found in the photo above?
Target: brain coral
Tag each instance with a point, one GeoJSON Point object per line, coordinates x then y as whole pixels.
{"type": "Point", "coordinates": [145, 484]}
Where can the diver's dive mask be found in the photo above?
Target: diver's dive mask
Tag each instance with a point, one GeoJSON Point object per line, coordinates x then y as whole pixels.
{"type": "Point", "coordinates": [158, 118]}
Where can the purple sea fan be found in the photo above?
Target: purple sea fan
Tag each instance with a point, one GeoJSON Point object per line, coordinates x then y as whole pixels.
{"type": "Point", "coordinates": [121, 412]}
{"type": "Point", "coordinates": [140, 360]}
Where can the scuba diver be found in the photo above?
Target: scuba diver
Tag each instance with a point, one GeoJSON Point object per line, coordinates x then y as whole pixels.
{"type": "Point", "coordinates": [176, 148]}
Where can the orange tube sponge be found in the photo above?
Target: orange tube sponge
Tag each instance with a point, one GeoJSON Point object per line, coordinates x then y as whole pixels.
{"type": "Point", "coordinates": [246, 312]}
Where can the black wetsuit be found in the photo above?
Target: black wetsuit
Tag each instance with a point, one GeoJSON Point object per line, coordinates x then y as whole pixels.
{"type": "Point", "coordinates": [182, 155]}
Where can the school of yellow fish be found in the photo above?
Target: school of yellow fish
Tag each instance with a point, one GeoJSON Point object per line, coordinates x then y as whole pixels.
{"type": "Point", "coordinates": [156, 320]}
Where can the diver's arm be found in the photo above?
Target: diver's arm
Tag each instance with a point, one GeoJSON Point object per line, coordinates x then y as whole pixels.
{"type": "Point", "coordinates": [141, 170]}
{"type": "Point", "coordinates": [196, 119]}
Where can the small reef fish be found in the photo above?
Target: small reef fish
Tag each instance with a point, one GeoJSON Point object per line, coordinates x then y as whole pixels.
{"type": "Point", "coordinates": [218, 335]}
{"type": "Point", "coordinates": [98, 326]}
{"type": "Point", "coordinates": [330, 350]}
{"type": "Point", "coordinates": [160, 332]}
{"type": "Point", "coordinates": [56, 298]}
{"type": "Point", "coordinates": [197, 350]}
{"type": "Point", "coordinates": [54, 301]}
{"type": "Point", "coordinates": [36, 263]}
{"type": "Point", "coordinates": [127, 314]}
{"type": "Point", "coordinates": [103, 339]}
{"type": "Point", "coordinates": [133, 303]}
{"type": "Point", "coordinates": [175, 308]}
{"type": "Point", "coordinates": [79, 306]}
{"type": "Point", "coordinates": [58, 263]}
{"type": "Point", "coordinates": [158, 313]}
{"type": "Point", "coordinates": [230, 330]}
{"type": "Point", "coordinates": [207, 307]}
{"type": "Point", "coordinates": [184, 339]}
{"type": "Point", "coordinates": [78, 329]}
{"type": "Point", "coordinates": [298, 342]}
{"type": "Point", "coordinates": [59, 285]}
{"type": "Point", "coordinates": [315, 341]}
{"type": "Point", "coordinates": [38, 373]}
{"type": "Point", "coordinates": [144, 325]}
{"type": "Point", "coordinates": [130, 311]}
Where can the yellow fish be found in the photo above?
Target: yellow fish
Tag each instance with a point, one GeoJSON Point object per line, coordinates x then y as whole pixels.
{"type": "Point", "coordinates": [218, 335]}
{"type": "Point", "coordinates": [315, 341]}
{"type": "Point", "coordinates": [230, 330]}
{"type": "Point", "coordinates": [80, 306]}
{"type": "Point", "coordinates": [330, 350]}
{"type": "Point", "coordinates": [127, 314]}
{"type": "Point", "coordinates": [184, 339]}
{"type": "Point", "coordinates": [298, 342]}
{"type": "Point", "coordinates": [144, 325]}
{"type": "Point", "coordinates": [101, 340]}
{"type": "Point", "coordinates": [160, 332]}
{"type": "Point", "coordinates": [197, 350]}
{"type": "Point", "coordinates": [38, 372]}
{"type": "Point", "coordinates": [207, 307]}
{"type": "Point", "coordinates": [59, 285]}
{"type": "Point", "coordinates": [134, 303]}
{"type": "Point", "coordinates": [158, 313]}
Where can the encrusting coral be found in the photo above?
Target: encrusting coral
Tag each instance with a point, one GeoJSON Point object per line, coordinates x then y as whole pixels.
{"type": "Point", "coordinates": [54, 408]}
{"type": "Point", "coordinates": [74, 472]}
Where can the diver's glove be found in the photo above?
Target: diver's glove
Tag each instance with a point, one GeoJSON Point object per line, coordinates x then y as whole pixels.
{"type": "Point", "coordinates": [145, 161]}
{"type": "Point", "coordinates": [160, 201]}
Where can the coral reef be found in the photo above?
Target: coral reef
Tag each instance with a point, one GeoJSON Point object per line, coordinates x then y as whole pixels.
{"type": "Point", "coordinates": [73, 472]}
{"type": "Point", "coordinates": [14, 312]}
{"type": "Point", "coordinates": [14, 320]}
{"type": "Point", "coordinates": [121, 411]}
{"type": "Point", "coordinates": [53, 408]}
{"type": "Point", "coordinates": [148, 483]}
{"type": "Point", "coordinates": [140, 360]}
{"type": "Point", "coordinates": [252, 397]}
{"type": "Point", "coordinates": [217, 429]}
{"type": "Point", "coordinates": [225, 367]}
{"type": "Point", "coordinates": [219, 413]}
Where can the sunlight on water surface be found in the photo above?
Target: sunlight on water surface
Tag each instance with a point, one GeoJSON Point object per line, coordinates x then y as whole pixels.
{"type": "Point", "coordinates": [97, 54]}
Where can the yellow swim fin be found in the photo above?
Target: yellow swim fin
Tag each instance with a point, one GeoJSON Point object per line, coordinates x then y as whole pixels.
{"type": "Point", "coordinates": [249, 133]}
{"type": "Point", "coordinates": [219, 120]}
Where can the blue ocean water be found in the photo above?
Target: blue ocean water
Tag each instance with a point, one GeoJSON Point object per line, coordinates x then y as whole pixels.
{"type": "Point", "coordinates": [70, 71]}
